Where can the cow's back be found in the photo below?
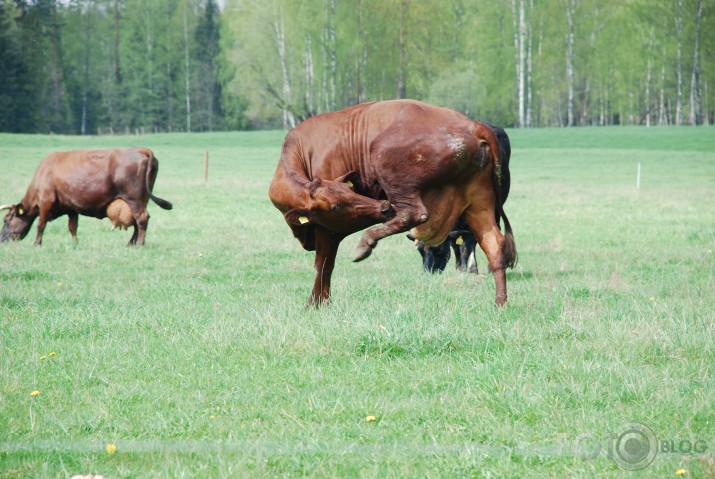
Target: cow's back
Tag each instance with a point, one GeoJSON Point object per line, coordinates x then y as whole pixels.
{"type": "Point", "coordinates": [331, 144]}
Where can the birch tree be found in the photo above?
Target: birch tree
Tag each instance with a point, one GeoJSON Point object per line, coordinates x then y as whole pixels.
{"type": "Point", "coordinates": [696, 99]}
{"type": "Point", "coordinates": [401, 55]}
{"type": "Point", "coordinates": [679, 65]}
{"type": "Point", "coordinates": [523, 39]}
{"type": "Point", "coordinates": [570, 12]}
{"type": "Point", "coordinates": [187, 68]}
{"type": "Point", "coordinates": [279, 30]}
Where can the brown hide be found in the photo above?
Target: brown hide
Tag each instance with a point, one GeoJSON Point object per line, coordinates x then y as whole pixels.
{"type": "Point", "coordinates": [85, 182]}
{"type": "Point", "coordinates": [431, 164]}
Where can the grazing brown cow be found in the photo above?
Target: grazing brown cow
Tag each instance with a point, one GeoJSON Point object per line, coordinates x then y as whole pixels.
{"type": "Point", "coordinates": [403, 163]}
{"type": "Point", "coordinates": [85, 182]}
{"type": "Point", "coordinates": [120, 214]}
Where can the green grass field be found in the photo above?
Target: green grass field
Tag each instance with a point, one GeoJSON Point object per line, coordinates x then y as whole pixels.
{"type": "Point", "coordinates": [194, 356]}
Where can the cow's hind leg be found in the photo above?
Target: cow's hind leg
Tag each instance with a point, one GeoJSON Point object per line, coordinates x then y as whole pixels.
{"type": "Point", "coordinates": [409, 212]}
{"type": "Point", "coordinates": [492, 242]}
{"type": "Point", "coordinates": [133, 239]}
{"type": "Point", "coordinates": [326, 248]}
{"type": "Point", "coordinates": [141, 222]}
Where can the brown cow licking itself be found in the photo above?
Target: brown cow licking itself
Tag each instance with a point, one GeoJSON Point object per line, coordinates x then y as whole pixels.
{"type": "Point", "coordinates": [403, 163]}
{"type": "Point", "coordinates": [85, 182]}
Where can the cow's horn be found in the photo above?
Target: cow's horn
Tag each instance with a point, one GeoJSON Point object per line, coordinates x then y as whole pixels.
{"type": "Point", "coordinates": [6, 207]}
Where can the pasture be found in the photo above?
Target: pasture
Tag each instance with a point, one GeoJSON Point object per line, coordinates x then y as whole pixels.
{"type": "Point", "coordinates": [194, 356]}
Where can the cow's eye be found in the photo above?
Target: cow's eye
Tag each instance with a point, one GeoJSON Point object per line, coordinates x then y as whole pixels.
{"type": "Point", "coordinates": [335, 208]}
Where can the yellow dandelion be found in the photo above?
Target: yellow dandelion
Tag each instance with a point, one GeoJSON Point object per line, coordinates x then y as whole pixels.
{"type": "Point", "coordinates": [35, 392]}
{"type": "Point", "coordinates": [111, 448]}
{"type": "Point", "coordinates": [709, 252]}
{"type": "Point", "coordinates": [42, 358]}
{"type": "Point", "coordinates": [52, 354]}
{"type": "Point", "coordinates": [652, 298]}
{"type": "Point", "coordinates": [371, 419]}
{"type": "Point", "coordinates": [200, 255]}
{"type": "Point", "coordinates": [680, 472]}
{"type": "Point", "coordinates": [212, 417]}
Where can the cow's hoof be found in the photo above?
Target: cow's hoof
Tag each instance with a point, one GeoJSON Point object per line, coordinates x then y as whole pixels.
{"type": "Point", "coordinates": [500, 301]}
{"type": "Point", "coordinates": [362, 252]}
{"type": "Point", "coordinates": [316, 302]}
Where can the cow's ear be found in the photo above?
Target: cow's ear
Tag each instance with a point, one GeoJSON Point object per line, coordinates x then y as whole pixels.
{"type": "Point", "coordinates": [352, 178]}
{"type": "Point", "coordinates": [298, 216]}
{"type": "Point", "coordinates": [313, 186]}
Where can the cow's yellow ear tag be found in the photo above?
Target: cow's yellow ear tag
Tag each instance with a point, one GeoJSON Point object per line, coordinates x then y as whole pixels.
{"type": "Point", "coordinates": [350, 184]}
{"type": "Point", "coordinates": [459, 241]}
{"type": "Point", "coordinates": [303, 219]}
{"type": "Point", "coordinates": [20, 211]}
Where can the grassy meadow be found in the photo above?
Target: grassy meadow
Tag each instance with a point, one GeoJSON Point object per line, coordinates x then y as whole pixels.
{"type": "Point", "coordinates": [193, 356]}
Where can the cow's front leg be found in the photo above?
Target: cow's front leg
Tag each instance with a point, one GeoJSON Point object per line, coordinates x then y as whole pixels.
{"type": "Point", "coordinates": [42, 222]}
{"type": "Point", "coordinates": [409, 212]}
{"type": "Point", "coordinates": [72, 225]}
{"type": "Point", "coordinates": [326, 249]}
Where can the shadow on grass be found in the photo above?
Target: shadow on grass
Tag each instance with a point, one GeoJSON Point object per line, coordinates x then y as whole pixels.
{"type": "Point", "coordinates": [30, 275]}
{"type": "Point", "coordinates": [393, 346]}
{"type": "Point", "coordinates": [519, 275]}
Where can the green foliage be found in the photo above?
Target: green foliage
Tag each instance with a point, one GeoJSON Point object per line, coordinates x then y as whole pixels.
{"type": "Point", "coordinates": [120, 66]}
{"type": "Point", "coordinates": [88, 66]}
{"type": "Point", "coordinates": [195, 357]}
{"type": "Point", "coordinates": [462, 54]}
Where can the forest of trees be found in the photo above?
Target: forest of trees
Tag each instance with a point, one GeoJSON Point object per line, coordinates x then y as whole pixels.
{"type": "Point", "coordinates": [128, 66]}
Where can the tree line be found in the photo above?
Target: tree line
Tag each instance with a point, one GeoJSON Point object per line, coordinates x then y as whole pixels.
{"type": "Point", "coordinates": [112, 66]}
{"type": "Point", "coordinates": [117, 66]}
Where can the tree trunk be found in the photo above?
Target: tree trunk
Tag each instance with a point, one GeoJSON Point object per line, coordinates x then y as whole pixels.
{"type": "Point", "coordinates": [662, 115]}
{"type": "Point", "coordinates": [570, 11]}
{"type": "Point", "coordinates": [330, 68]}
{"type": "Point", "coordinates": [117, 70]}
{"type": "Point", "coordinates": [529, 81]}
{"type": "Point", "coordinates": [309, 74]}
{"type": "Point", "coordinates": [288, 118]}
{"type": "Point", "coordinates": [187, 71]}
{"type": "Point", "coordinates": [706, 110]}
{"type": "Point", "coordinates": [519, 35]}
{"type": "Point", "coordinates": [647, 93]}
{"type": "Point", "coordinates": [150, 117]}
{"type": "Point", "coordinates": [169, 92]}
{"type": "Point", "coordinates": [57, 94]}
{"type": "Point", "coordinates": [696, 99]}
{"type": "Point", "coordinates": [361, 61]}
{"type": "Point", "coordinates": [87, 51]}
{"type": "Point", "coordinates": [401, 63]}
{"type": "Point", "coordinates": [679, 65]}
{"type": "Point", "coordinates": [333, 58]}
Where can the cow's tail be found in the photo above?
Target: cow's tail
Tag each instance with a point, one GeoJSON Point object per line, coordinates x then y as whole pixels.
{"type": "Point", "coordinates": [509, 247]}
{"type": "Point", "coordinates": [151, 173]}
